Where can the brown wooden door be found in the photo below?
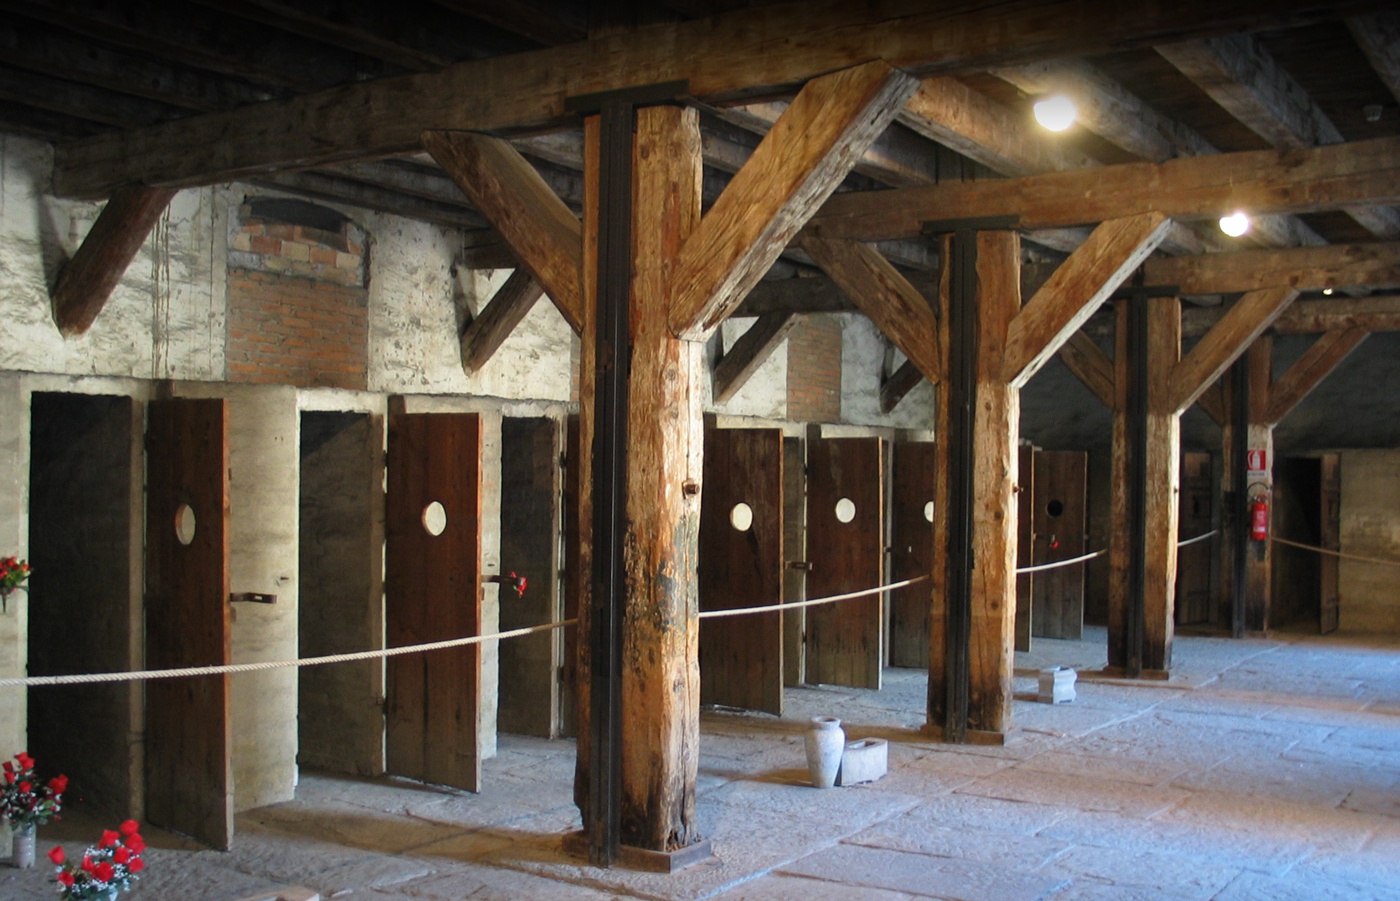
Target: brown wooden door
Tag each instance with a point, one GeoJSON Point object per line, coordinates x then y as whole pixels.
{"type": "Point", "coordinates": [1025, 544]}
{"type": "Point", "coordinates": [847, 554]}
{"type": "Point", "coordinates": [1193, 562]}
{"type": "Point", "coordinates": [433, 593]}
{"type": "Point", "coordinates": [911, 555]}
{"type": "Point", "coordinates": [189, 773]}
{"type": "Point", "coordinates": [1331, 534]}
{"type": "Point", "coordinates": [1061, 480]}
{"type": "Point", "coordinates": [741, 565]}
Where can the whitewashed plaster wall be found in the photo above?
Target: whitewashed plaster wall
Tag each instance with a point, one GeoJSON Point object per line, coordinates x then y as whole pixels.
{"type": "Point", "coordinates": [1370, 521]}
{"type": "Point", "coordinates": [14, 541]}
{"type": "Point", "coordinates": [863, 351]}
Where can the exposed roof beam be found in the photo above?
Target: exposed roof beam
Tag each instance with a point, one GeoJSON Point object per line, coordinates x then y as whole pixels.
{"type": "Point", "coordinates": [738, 364]}
{"type": "Point", "coordinates": [1326, 353]}
{"type": "Point", "coordinates": [1378, 37]}
{"type": "Point", "coordinates": [1304, 268]}
{"type": "Point", "coordinates": [511, 303]}
{"type": "Point", "coordinates": [542, 22]}
{"type": "Point", "coordinates": [1306, 317]}
{"type": "Point", "coordinates": [770, 49]}
{"type": "Point", "coordinates": [1242, 77]}
{"type": "Point", "coordinates": [1224, 343]}
{"type": "Point", "coordinates": [1192, 188]}
{"type": "Point", "coordinates": [372, 197]}
{"type": "Point", "coordinates": [81, 101]}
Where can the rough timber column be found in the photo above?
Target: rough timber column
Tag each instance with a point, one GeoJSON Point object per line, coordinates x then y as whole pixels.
{"type": "Point", "coordinates": [659, 677]}
{"type": "Point", "coordinates": [974, 558]}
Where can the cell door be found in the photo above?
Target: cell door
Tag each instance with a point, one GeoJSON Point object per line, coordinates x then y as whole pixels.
{"type": "Point", "coordinates": [741, 565]}
{"type": "Point", "coordinates": [1193, 562]}
{"type": "Point", "coordinates": [189, 771]}
{"type": "Point", "coordinates": [846, 548]}
{"type": "Point", "coordinates": [1025, 544]}
{"type": "Point", "coordinates": [432, 589]}
{"type": "Point", "coordinates": [911, 552]}
{"type": "Point", "coordinates": [1059, 519]}
{"type": "Point", "coordinates": [1331, 534]}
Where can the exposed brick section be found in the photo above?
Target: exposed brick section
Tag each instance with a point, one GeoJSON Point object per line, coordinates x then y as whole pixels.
{"type": "Point", "coordinates": [814, 370]}
{"type": "Point", "coordinates": [298, 250]}
{"type": "Point", "coordinates": [284, 330]}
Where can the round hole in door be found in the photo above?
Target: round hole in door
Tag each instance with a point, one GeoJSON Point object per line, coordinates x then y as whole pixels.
{"type": "Point", "coordinates": [184, 524]}
{"type": "Point", "coordinates": [741, 517]}
{"type": "Point", "coordinates": [928, 511]}
{"type": "Point", "coordinates": [434, 519]}
{"type": "Point", "coordinates": [845, 510]}
{"type": "Point", "coordinates": [1055, 508]}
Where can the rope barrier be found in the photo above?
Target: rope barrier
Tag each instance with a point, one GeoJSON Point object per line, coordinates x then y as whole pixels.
{"type": "Point", "coordinates": [1190, 541]}
{"type": "Point", "coordinates": [1058, 563]}
{"type": "Point", "coordinates": [773, 608]}
{"type": "Point", "coordinates": [144, 675]}
{"type": "Point", "coordinates": [1323, 550]}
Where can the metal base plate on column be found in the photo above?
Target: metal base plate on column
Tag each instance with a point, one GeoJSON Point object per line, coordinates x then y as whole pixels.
{"type": "Point", "coordinates": [628, 857]}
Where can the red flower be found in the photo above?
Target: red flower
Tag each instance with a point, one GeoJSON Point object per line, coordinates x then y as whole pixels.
{"type": "Point", "coordinates": [24, 788]}
{"type": "Point", "coordinates": [58, 784]}
{"type": "Point", "coordinates": [136, 843]}
{"type": "Point", "coordinates": [87, 864]}
{"type": "Point", "coordinates": [9, 777]}
{"type": "Point", "coordinates": [104, 871]}
{"type": "Point", "coordinates": [25, 761]}
{"type": "Point", "coordinates": [9, 767]}
{"type": "Point", "coordinates": [56, 855]}
{"type": "Point", "coordinates": [65, 879]}
{"type": "Point", "coordinates": [121, 855]}
{"type": "Point", "coordinates": [136, 865]}
{"type": "Point", "coordinates": [109, 838]}
{"type": "Point", "coordinates": [130, 827]}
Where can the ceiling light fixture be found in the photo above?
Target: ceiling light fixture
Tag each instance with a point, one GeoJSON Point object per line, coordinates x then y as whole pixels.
{"type": "Point", "coordinates": [1326, 292]}
{"type": "Point", "coordinates": [1055, 113]}
{"type": "Point", "coordinates": [1235, 224]}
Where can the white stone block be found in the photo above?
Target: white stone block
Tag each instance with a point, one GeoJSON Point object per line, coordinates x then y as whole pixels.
{"type": "Point", "coordinates": [1057, 685]}
{"type": "Point", "coordinates": [864, 760]}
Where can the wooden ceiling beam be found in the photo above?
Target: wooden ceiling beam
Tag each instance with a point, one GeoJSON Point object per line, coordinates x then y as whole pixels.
{"type": "Point", "coordinates": [1240, 75]}
{"type": "Point", "coordinates": [548, 24]}
{"type": "Point", "coordinates": [1304, 268]}
{"type": "Point", "coordinates": [897, 385]}
{"type": "Point", "coordinates": [750, 52]}
{"type": "Point", "coordinates": [1087, 361]}
{"type": "Point", "coordinates": [372, 197]}
{"type": "Point", "coordinates": [752, 349]}
{"type": "Point", "coordinates": [796, 166]}
{"type": "Point", "coordinates": [1190, 188]}
{"type": "Point", "coordinates": [1224, 343]}
{"type": "Point", "coordinates": [1378, 36]}
{"type": "Point", "coordinates": [544, 233]}
{"type": "Point", "coordinates": [511, 303]}
{"type": "Point", "coordinates": [1308, 371]}
{"type": "Point", "coordinates": [1076, 290]}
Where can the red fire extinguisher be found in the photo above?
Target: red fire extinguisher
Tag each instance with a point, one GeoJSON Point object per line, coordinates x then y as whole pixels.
{"type": "Point", "coordinates": [1259, 519]}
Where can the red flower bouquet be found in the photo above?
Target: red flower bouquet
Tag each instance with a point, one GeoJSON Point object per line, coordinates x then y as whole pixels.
{"type": "Point", "coordinates": [26, 801]}
{"type": "Point", "coordinates": [110, 867]}
{"type": "Point", "coordinates": [13, 572]}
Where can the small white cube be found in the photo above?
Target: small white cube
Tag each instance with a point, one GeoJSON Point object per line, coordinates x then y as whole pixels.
{"type": "Point", "coordinates": [864, 760]}
{"type": "Point", "coordinates": [1057, 685]}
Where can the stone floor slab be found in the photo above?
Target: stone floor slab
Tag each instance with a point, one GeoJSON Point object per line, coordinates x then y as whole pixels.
{"type": "Point", "coordinates": [925, 876]}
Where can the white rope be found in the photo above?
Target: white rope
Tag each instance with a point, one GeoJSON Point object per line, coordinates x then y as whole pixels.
{"type": "Point", "coordinates": [1058, 563]}
{"type": "Point", "coordinates": [143, 675]}
{"type": "Point", "coordinates": [1190, 541]}
{"type": "Point", "coordinates": [1323, 550]}
{"type": "Point", "coordinates": [745, 611]}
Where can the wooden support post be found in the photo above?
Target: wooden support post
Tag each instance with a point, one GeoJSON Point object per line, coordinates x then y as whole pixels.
{"type": "Point", "coordinates": [511, 303]}
{"type": "Point", "coordinates": [87, 281]}
{"type": "Point", "coordinates": [974, 559]}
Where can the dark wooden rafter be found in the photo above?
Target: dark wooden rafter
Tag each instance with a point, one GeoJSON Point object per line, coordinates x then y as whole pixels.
{"type": "Point", "coordinates": [88, 279]}
{"type": "Point", "coordinates": [1224, 343]}
{"type": "Point", "coordinates": [1308, 371]}
{"type": "Point", "coordinates": [510, 304]}
{"type": "Point", "coordinates": [897, 385]}
{"type": "Point", "coordinates": [895, 306]}
{"type": "Point", "coordinates": [796, 166]}
{"type": "Point", "coordinates": [1087, 361]}
{"type": "Point", "coordinates": [544, 233]}
{"type": "Point", "coordinates": [1076, 290]}
{"type": "Point", "coordinates": [1305, 268]}
{"type": "Point", "coordinates": [749, 352]}
{"type": "Point", "coordinates": [1200, 187]}
{"type": "Point", "coordinates": [1378, 36]}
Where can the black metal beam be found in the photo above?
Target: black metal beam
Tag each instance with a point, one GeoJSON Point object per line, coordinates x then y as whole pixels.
{"type": "Point", "coordinates": [964, 331]}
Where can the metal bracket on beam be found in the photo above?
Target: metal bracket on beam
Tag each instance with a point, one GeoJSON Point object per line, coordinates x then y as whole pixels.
{"type": "Point", "coordinates": [643, 95]}
{"type": "Point", "coordinates": [935, 227]}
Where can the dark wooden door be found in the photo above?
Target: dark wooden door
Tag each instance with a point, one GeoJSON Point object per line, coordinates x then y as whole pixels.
{"type": "Point", "coordinates": [1059, 519]}
{"type": "Point", "coordinates": [1331, 534]}
{"type": "Point", "coordinates": [433, 593]}
{"type": "Point", "coordinates": [741, 565]}
{"type": "Point", "coordinates": [189, 774]}
{"type": "Point", "coordinates": [1025, 544]}
{"type": "Point", "coordinates": [1193, 562]}
{"type": "Point", "coordinates": [846, 547]}
{"type": "Point", "coordinates": [911, 554]}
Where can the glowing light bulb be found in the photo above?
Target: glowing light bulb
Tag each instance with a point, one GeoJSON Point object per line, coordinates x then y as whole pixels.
{"type": "Point", "coordinates": [1235, 224]}
{"type": "Point", "coordinates": [1326, 292]}
{"type": "Point", "coordinates": [1055, 113]}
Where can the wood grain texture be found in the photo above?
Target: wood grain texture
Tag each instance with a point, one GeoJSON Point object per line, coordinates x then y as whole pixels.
{"type": "Point", "coordinates": [1087, 361]}
{"type": "Point", "coordinates": [1223, 344]}
{"type": "Point", "coordinates": [511, 303]}
{"type": "Point", "coordinates": [1076, 290]}
{"type": "Point", "coordinates": [765, 50]}
{"type": "Point", "coordinates": [1025, 536]}
{"type": "Point", "coordinates": [660, 654]}
{"type": "Point", "coordinates": [1060, 522]}
{"type": "Point", "coordinates": [88, 279]}
{"type": "Point", "coordinates": [1193, 562]}
{"type": "Point", "coordinates": [911, 557]}
{"type": "Point", "coordinates": [843, 639]}
{"type": "Point", "coordinates": [1162, 505]}
{"type": "Point", "coordinates": [810, 149]}
{"type": "Point", "coordinates": [896, 307]}
{"type": "Point", "coordinates": [1374, 314]}
{"type": "Point", "coordinates": [1308, 371]}
{"type": "Point", "coordinates": [940, 577]}
{"type": "Point", "coordinates": [1120, 521]}
{"type": "Point", "coordinates": [1264, 181]}
{"type": "Point", "coordinates": [741, 658]}
{"type": "Point", "coordinates": [188, 742]}
{"type": "Point", "coordinates": [432, 587]}
{"type": "Point", "coordinates": [750, 352]}
{"type": "Point", "coordinates": [1304, 268]}
{"type": "Point", "coordinates": [897, 385]}
{"type": "Point", "coordinates": [544, 233]}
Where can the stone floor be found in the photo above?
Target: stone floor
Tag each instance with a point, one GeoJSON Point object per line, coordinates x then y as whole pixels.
{"type": "Point", "coordinates": [1265, 769]}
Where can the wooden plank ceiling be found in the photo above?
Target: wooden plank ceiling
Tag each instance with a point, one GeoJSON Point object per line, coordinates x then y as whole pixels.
{"type": "Point", "coordinates": [77, 71]}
